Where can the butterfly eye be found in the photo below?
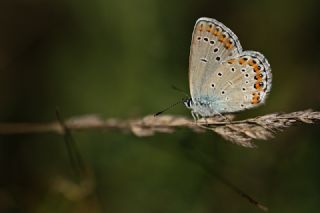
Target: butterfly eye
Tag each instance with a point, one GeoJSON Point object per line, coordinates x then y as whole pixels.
{"type": "Point", "coordinates": [216, 50]}
{"type": "Point", "coordinates": [188, 102]}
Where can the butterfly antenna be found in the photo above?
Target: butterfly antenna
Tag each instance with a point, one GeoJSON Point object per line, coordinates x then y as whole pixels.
{"type": "Point", "coordinates": [173, 105]}
{"type": "Point", "coordinates": [179, 90]}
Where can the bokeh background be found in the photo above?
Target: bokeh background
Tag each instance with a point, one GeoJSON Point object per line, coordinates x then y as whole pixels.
{"type": "Point", "coordinates": [119, 59]}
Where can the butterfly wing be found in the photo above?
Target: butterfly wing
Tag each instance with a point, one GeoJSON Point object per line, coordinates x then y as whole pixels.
{"type": "Point", "coordinates": [221, 75]}
{"type": "Point", "coordinates": [242, 82]}
{"type": "Point", "coordinates": [211, 42]}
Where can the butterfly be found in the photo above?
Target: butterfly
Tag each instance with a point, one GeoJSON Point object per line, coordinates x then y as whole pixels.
{"type": "Point", "coordinates": [222, 77]}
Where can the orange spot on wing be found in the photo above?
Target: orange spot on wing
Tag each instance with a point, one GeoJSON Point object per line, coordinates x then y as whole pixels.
{"type": "Point", "coordinates": [230, 46]}
{"type": "Point", "coordinates": [221, 37]}
{"type": "Point", "coordinates": [258, 76]}
{"type": "Point", "coordinates": [216, 32]}
{"type": "Point", "coordinates": [227, 43]}
{"type": "Point", "coordinates": [256, 67]}
{"type": "Point", "coordinates": [258, 85]}
{"type": "Point", "coordinates": [252, 62]}
{"type": "Point", "coordinates": [255, 101]}
{"type": "Point", "coordinates": [241, 61]}
{"type": "Point", "coordinates": [255, 98]}
{"type": "Point", "coordinates": [231, 61]}
{"type": "Point", "coordinates": [200, 27]}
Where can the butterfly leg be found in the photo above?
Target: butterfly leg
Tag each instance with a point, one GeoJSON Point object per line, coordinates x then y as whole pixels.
{"type": "Point", "coordinates": [195, 116]}
{"type": "Point", "coordinates": [205, 119]}
{"type": "Point", "coordinates": [222, 116]}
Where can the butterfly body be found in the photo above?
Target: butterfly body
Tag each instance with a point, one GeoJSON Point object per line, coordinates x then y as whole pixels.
{"type": "Point", "coordinates": [222, 77]}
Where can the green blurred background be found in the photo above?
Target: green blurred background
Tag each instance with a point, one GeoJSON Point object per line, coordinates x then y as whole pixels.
{"type": "Point", "coordinates": [119, 59]}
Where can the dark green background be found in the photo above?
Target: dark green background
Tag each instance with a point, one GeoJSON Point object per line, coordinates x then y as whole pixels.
{"type": "Point", "coordinates": [119, 59]}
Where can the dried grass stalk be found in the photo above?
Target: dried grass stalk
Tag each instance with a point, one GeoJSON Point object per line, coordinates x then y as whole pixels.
{"type": "Point", "coordinates": [239, 132]}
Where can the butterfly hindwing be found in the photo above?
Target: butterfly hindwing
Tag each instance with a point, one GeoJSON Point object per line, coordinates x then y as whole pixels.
{"type": "Point", "coordinates": [239, 83]}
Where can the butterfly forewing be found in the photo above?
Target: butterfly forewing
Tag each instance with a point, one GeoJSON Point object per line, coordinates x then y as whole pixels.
{"type": "Point", "coordinates": [211, 43]}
